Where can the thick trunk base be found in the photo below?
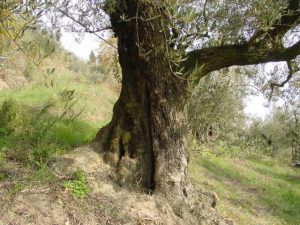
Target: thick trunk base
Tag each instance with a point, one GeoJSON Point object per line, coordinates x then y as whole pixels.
{"type": "Point", "coordinates": [146, 141]}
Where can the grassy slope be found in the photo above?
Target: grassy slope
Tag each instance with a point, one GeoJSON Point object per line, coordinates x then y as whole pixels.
{"type": "Point", "coordinates": [95, 100]}
{"type": "Point", "coordinates": [24, 154]}
{"type": "Point", "coordinates": [251, 189]}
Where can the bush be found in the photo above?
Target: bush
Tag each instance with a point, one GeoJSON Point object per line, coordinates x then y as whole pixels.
{"type": "Point", "coordinates": [12, 119]}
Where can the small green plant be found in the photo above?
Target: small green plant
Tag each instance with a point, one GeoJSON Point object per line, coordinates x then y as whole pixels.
{"type": "Point", "coordinates": [35, 132]}
{"type": "Point", "coordinates": [18, 186]}
{"type": "Point", "coordinates": [78, 185]}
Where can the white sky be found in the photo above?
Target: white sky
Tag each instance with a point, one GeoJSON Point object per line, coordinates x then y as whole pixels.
{"type": "Point", "coordinates": [255, 105]}
{"type": "Point", "coordinates": [81, 49]}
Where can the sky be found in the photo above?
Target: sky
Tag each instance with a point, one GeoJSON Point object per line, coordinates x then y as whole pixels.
{"type": "Point", "coordinates": [83, 48]}
{"type": "Point", "coordinates": [255, 105]}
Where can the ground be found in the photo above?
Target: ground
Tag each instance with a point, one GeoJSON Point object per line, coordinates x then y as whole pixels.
{"type": "Point", "coordinates": [250, 191]}
{"type": "Point", "coordinates": [107, 203]}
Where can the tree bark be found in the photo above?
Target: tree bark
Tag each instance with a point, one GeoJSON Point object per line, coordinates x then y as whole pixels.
{"type": "Point", "coordinates": [147, 138]}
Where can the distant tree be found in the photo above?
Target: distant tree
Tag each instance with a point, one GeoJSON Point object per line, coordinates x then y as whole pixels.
{"type": "Point", "coordinates": [278, 133]}
{"type": "Point", "coordinates": [294, 133]}
{"type": "Point", "coordinates": [92, 58]}
{"type": "Point", "coordinates": [108, 59]}
{"type": "Point", "coordinates": [291, 110]}
{"type": "Point", "coordinates": [215, 108]}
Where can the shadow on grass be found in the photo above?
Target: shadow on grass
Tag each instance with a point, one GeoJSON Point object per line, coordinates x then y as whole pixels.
{"type": "Point", "coordinates": [282, 197]}
{"type": "Point", "coordinates": [293, 179]}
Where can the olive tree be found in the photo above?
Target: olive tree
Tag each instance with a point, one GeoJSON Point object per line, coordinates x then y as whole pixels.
{"type": "Point", "coordinates": [215, 107]}
{"type": "Point", "coordinates": [163, 45]}
{"type": "Point", "coordinates": [159, 51]}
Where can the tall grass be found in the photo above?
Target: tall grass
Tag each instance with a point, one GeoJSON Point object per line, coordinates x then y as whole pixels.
{"type": "Point", "coordinates": [33, 134]}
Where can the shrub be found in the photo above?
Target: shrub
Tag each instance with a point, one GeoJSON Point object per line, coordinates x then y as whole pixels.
{"type": "Point", "coordinates": [12, 118]}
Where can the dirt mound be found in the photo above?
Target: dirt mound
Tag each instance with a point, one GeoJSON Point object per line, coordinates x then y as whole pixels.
{"type": "Point", "coordinates": [107, 203]}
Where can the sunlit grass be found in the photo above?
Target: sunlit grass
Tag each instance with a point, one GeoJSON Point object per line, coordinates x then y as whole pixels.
{"type": "Point", "coordinates": [29, 143]}
{"type": "Point", "coordinates": [252, 190]}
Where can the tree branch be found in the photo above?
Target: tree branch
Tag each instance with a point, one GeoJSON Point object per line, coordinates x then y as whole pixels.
{"type": "Point", "coordinates": [288, 78]}
{"type": "Point", "coordinates": [263, 47]}
{"type": "Point", "coordinates": [216, 58]}
{"type": "Point", "coordinates": [87, 30]}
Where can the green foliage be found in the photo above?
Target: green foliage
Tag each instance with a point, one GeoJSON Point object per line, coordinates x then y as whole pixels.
{"type": "Point", "coordinates": [108, 60]}
{"type": "Point", "coordinates": [78, 185]}
{"type": "Point", "coordinates": [39, 45]}
{"type": "Point", "coordinates": [14, 21]}
{"type": "Point", "coordinates": [110, 6]}
{"type": "Point", "coordinates": [2, 158]}
{"type": "Point", "coordinates": [92, 71]}
{"type": "Point", "coordinates": [42, 175]}
{"type": "Point", "coordinates": [276, 135]}
{"type": "Point", "coordinates": [39, 122]}
{"type": "Point", "coordinates": [17, 187]}
{"type": "Point", "coordinates": [215, 108]}
{"type": "Point", "coordinates": [45, 118]}
{"type": "Point", "coordinates": [11, 118]}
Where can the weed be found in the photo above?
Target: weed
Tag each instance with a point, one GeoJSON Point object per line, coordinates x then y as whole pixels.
{"type": "Point", "coordinates": [78, 185]}
{"type": "Point", "coordinates": [2, 157]}
{"type": "Point", "coordinates": [11, 117]}
{"type": "Point", "coordinates": [35, 133]}
{"type": "Point", "coordinates": [18, 186]}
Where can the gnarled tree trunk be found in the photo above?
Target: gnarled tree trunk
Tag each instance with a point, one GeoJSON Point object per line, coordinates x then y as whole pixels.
{"type": "Point", "coordinates": [146, 139]}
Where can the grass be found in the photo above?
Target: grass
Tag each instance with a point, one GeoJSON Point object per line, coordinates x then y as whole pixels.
{"type": "Point", "coordinates": [39, 128]}
{"type": "Point", "coordinates": [252, 189]}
